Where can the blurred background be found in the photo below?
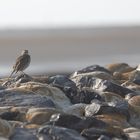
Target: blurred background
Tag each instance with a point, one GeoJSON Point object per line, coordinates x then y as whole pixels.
{"type": "Point", "coordinates": [67, 35]}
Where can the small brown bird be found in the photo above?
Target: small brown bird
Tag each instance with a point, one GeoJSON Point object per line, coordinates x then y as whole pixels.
{"type": "Point", "coordinates": [22, 62]}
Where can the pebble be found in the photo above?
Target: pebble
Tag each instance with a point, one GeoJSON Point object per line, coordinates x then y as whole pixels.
{"type": "Point", "coordinates": [96, 102]}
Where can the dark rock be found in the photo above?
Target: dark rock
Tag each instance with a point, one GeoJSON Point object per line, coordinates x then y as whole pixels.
{"type": "Point", "coordinates": [23, 134]}
{"type": "Point", "coordinates": [99, 108]}
{"type": "Point", "coordinates": [65, 84]}
{"type": "Point", "coordinates": [21, 98]}
{"type": "Point", "coordinates": [93, 68]}
{"type": "Point", "coordinates": [136, 81]}
{"type": "Point", "coordinates": [85, 96]}
{"type": "Point", "coordinates": [74, 122]}
{"type": "Point", "coordinates": [95, 132]}
{"type": "Point", "coordinates": [58, 133]}
{"type": "Point", "coordinates": [61, 81]}
{"type": "Point", "coordinates": [103, 85]}
{"type": "Point", "coordinates": [9, 115]}
{"type": "Point", "coordinates": [2, 87]}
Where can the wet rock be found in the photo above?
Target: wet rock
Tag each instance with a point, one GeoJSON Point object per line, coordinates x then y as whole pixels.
{"type": "Point", "coordinates": [119, 67]}
{"type": "Point", "coordinates": [55, 133]}
{"type": "Point", "coordinates": [61, 81]}
{"type": "Point", "coordinates": [5, 128]}
{"type": "Point", "coordinates": [134, 75]}
{"type": "Point", "coordinates": [93, 68]}
{"type": "Point", "coordinates": [77, 109]}
{"type": "Point", "coordinates": [24, 98]}
{"type": "Point", "coordinates": [114, 120]}
{"type": "Point", "coordinates": [23, 134]}
{"type": "Point", "coordinates": [65, 84]}
{"type": "Point", "coordinates": [45, 90]}
{"type": "Point", "coordinates": [111, 97]}
{"type": "Point", "coordinates": [103, 85]}
{"type": "Point", "coordinates": [9, 115]}
{"type": "Point", "coordinates": [87, 77]}
{"type": "Point", "coordinates": [136, 81]}
{"type": "Point", "coordinates": [74, 122]}
{"type": "Point", "coordinates": [95, 132]}
{"type": "Point", "coordinates": [98, 108]}
{"type": "Point", "coordinates": [40, 115]}
{"type": "Point", "coordinates": [85, 96]}
{"type": "Point", "coordinates": [93, 103]}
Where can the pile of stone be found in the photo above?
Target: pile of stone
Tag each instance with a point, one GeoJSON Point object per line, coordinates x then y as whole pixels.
{"type": "Point", "coordinates": [95, 103]}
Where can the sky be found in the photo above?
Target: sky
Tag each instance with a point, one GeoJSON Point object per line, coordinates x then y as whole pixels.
{"type": "Point", "coordinates": [61, 13]}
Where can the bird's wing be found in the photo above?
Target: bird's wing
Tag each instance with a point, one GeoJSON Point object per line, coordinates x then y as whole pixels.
{"type": "Point", "coordinates": [21, 62]}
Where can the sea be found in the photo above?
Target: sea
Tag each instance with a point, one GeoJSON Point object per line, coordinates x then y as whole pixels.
{"type": "Point", "coordinates": [66, 50]}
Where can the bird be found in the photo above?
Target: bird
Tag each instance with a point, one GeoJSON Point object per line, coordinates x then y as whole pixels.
{"type": "Point", "coordinates": [22, 62]}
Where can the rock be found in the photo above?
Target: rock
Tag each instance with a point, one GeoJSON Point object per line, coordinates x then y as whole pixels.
{"type": "Point", "coordinates": [5, 108]}
{"type": "Point", "coordinates": [111, 97]}
{"type": "Point", "coordinates": [119, 67]}
{"type": "Point", "coordinates": [5, 128]}
{"type": "Point", "coordinates": [32, 126]}
{"type": "Point", "coordinates": [95, 132]}
{"type": "Point", "coordinates": [134, 75]}
{"type": "Point", "coordinates": [9, 115]}
{"type": "Point", "coordinates": [65, 84]}
{"type": "Point", "coordinates": [55, 133]}
{"type": "Point", "coordinates": [16, 123]}
{"type": "Point", "coordinates": [134, 103]}
{"type": "Point", "coordinates": [61, 81]}
{"type": "Point", "coordinates": [92, 68]}
{"type": "Point", "coordinates": [98, 108]}
{"type": "Point", "coordinates": [74, 122]}
{"type": "Point", "coordinates": [93, 103]}
{"type": "Point", "coordinates": [92, 75]}
{"type": "Point", "coordinates": [85, 96]}
{"type": "Point", "coordinates": [77, 110]}
{"type": "Point", "coordinates": [130, 95]}
{"type": "Point", "coordinates": [121, 76]}
{"type": "Point", "coordinates": [104, 85]}
{"type": "Point", "coordinates": [40, 115]}
{"type": "Point", "coordinates": [131, 129]}
{"type": "Point", "coordinates": [114, 120]}
{"type": "Point", "coordinates": [47, 91]}
{"type": "Point", "coordinates": [23, 134]}
{"type": "Point", "coordinates": [24, 98]}
{"type": "Point", "coordinates": [134, 135]}
{"type": "Point", "coordinates": [100, 85]}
